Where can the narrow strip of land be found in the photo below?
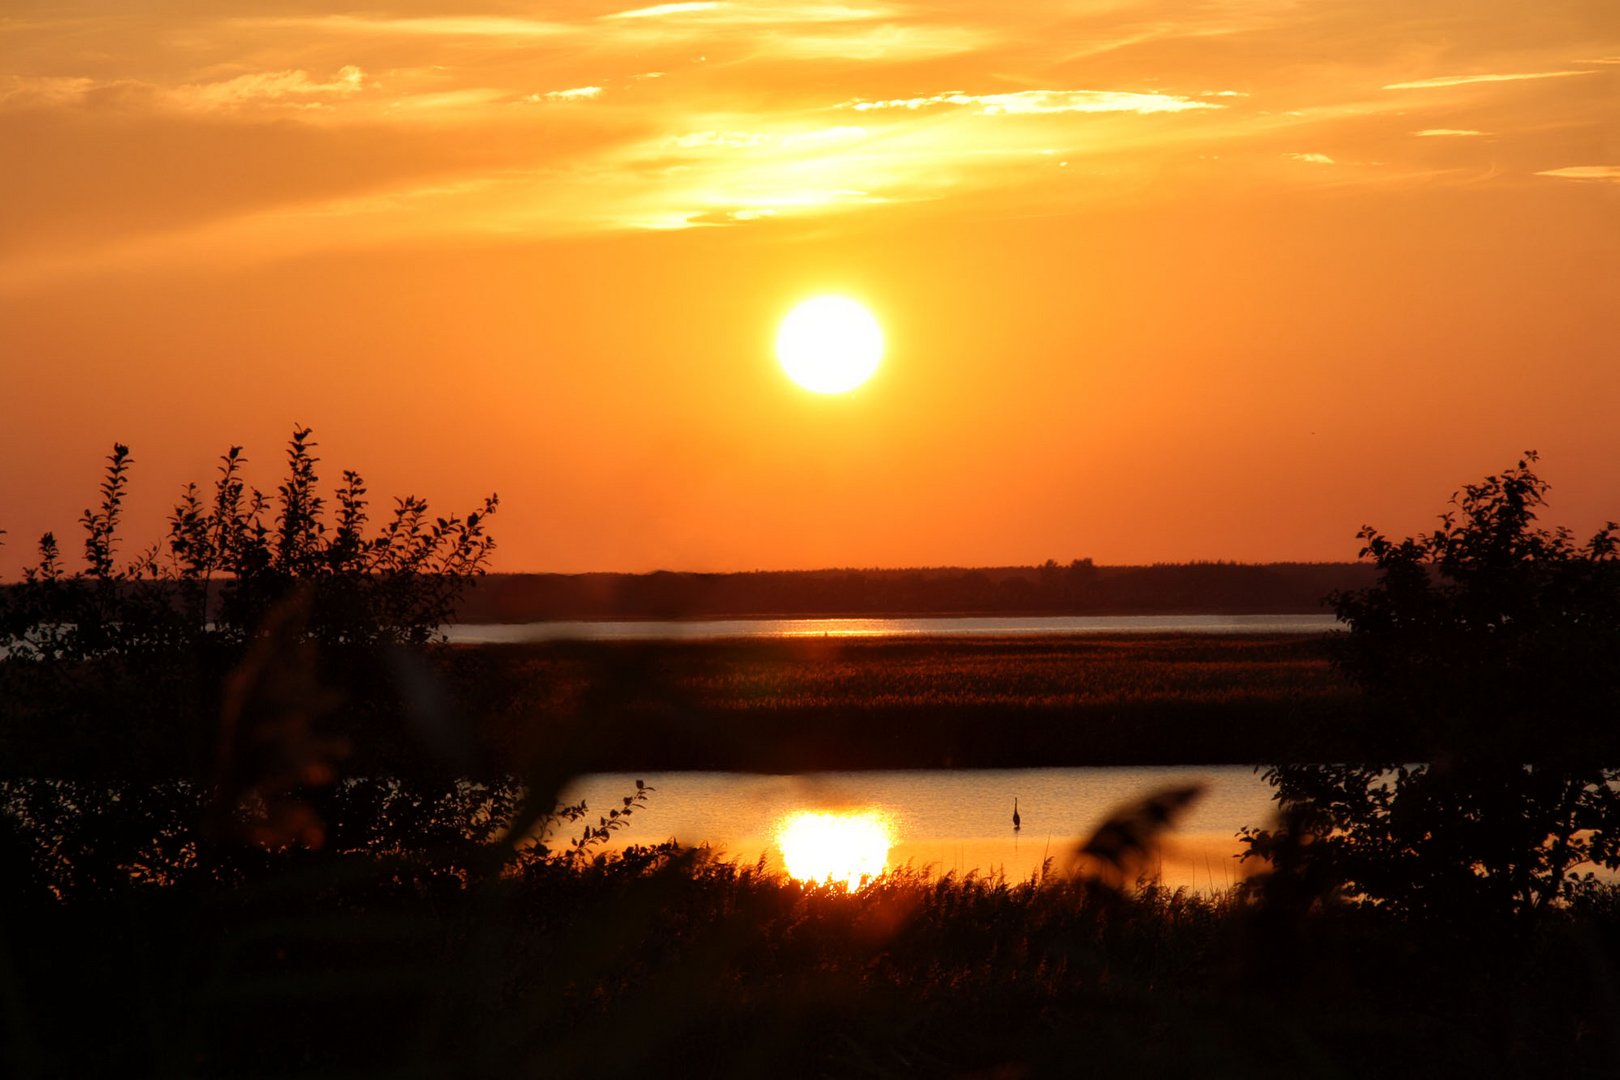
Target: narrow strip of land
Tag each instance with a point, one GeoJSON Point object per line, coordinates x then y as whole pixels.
{"type": "Point", "coordinates": [798, 705]}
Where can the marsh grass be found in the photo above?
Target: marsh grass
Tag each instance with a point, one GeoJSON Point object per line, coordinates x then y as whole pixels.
{"type": "Point", "coordinates": [404, 925]}
{"type": "Point", "coordinates": [767, 706]}
{"type": "Point", "coordinates": [930, 672]}
{"type": "Point", "coordinates": [794, 705]}
{"type": "Point", "coordinates": [420, 941]}
{"type": "Point", "coordinates": [367, 963]}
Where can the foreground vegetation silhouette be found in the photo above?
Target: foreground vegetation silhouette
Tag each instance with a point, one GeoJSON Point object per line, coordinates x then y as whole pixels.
{"type": "Point", "coordinates": [158, 634]}
{"type": "Point", "coordinates": [275, 895]}
{"type": "Point", "coordinates": [1490, 649]}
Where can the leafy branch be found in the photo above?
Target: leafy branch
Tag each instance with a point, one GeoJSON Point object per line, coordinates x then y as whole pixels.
{"type": "Point", "coordinates": [233, 554]}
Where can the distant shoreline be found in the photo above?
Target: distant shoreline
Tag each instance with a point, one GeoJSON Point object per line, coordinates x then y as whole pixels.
{"type": "Point", "coordinates": [1196, 624]}
{"type": "Point", "coordinates": [1079, 588]}
{"type": "Point", "coordinates": [768, 616]}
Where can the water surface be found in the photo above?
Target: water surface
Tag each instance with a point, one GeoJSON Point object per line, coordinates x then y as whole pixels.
{"type": "Point", "coordinates": [698, 629]}
{"type": "Point", "coordinates": [947, 820]}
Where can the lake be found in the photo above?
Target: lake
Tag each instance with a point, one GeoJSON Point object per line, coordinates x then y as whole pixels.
{"type": "Point", "coordinates": [947, 820]}
{"type": "Point", "coordinates": [698, 629]}
{"type": "Point", "coordinates": [943, 820]}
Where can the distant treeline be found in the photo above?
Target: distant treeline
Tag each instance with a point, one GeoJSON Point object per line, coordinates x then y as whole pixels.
{"type": "Point", "coordinates": [1078, 588]}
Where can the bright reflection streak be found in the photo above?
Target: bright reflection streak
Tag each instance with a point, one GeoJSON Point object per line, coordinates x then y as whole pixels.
{"type": "Point", "coordinates": [819, 846]}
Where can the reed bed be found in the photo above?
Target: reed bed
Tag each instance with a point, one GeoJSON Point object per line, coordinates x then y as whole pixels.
{"type": "Point", "coordinates": [664, 960]}
{"type": "Point", "coordinates": [390, 928]}
{"type": "Point", "coordinates": [794, 704]}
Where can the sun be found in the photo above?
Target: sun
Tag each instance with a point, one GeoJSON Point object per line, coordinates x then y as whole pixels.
{"type": "Point", "coordinates": [847, 848]}
{"type": "Point", "coordinates": [829, 344]}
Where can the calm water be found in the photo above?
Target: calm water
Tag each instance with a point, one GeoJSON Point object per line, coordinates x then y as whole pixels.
{"type": "Point", "coordinates": [947, 820]}
{"type": "Point", "coordinates": [669, 629]}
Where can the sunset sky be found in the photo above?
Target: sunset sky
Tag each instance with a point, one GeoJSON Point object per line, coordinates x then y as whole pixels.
{"type": "Point", "coordinates": [1159, 280]}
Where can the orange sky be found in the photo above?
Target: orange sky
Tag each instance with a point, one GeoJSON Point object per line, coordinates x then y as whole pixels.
{"type": "Point", "coordinates": [1161, 280]}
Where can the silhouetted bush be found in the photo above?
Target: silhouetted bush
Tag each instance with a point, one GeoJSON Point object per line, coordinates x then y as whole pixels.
{"type": "Point", "coordinates": [229, 559]}
{"type": "Point", "coordinates": [1491, 651]}
{"type": "Point", "coordinates": [382, 964]}
{"type": "Point", "coordinates": [123, 663]}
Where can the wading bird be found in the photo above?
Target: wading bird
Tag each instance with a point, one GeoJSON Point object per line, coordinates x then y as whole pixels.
{"type": "Point", "coordinates": [1018, 822]}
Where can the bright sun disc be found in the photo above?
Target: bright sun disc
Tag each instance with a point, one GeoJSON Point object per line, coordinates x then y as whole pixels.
{"type": "Point", "coordinates": [829, 847]}
{"type": "Point", "coordinates": [829, 344]}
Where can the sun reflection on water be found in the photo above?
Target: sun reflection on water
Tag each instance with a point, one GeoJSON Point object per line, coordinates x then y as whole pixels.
{"type": "Point", "coordinates": [830, 846]}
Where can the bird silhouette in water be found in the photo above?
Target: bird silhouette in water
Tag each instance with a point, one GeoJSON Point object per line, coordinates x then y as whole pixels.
{"type": "Point", "coordinates": [1018, 822]}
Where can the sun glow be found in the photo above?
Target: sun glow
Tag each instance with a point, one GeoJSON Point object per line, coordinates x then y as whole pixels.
{"type": "Point", "coordinates": [847, 848]}
{"type": "Point", "coordinates": [829, 344]}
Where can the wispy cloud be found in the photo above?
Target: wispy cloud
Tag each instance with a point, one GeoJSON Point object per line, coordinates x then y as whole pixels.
{"type": "Point", "coordinates": [1610, 173]}
{"type": "Point", "coordinates": [754, 14]}
{"type": "Point", "coordinates": [1465, 80]}
{"type": "Point", "coordinates": [871, 42]}
{"type": "Point", "coordinates": [341, 223]}
{"type": "Point", "coordinates": [272, 86]}
{"type": "Point", "coordinates": [912, 151]}
{"type": "Point", "coordinates": [578, 93]}
{"type": "Point", "coordinates": [753, 140]}
{"type": "Point", "coordinates": [727, 217]}
{"type": "Point", "coordinates": [660, 10]}
{"type": "Point", "coordinates": [291, 88]}
{"type": "Point", "coordinates": [490, 26]}
{"type": "Point", "coordinates": [43, 89]}
{"type": "Point", "coordinates": [791, 30]}
{"type": "Point", "coordinates": [424, 104]}
{"type": "Point", "coordinates": [558, 117]}
{"type": "Point", "coordinates": [700, 140]}
{"type": "Point", "coordinates": [1043, 101]}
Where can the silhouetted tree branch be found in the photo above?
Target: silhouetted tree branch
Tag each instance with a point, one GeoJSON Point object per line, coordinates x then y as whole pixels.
{"type": "Point", "coordinates": [1491, 648]}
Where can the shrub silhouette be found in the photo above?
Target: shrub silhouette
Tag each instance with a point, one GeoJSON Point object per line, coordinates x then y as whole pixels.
{"type": "Point", "coordinates": [1491, 649]}
{"type": "Point", "coordinates": [152, 639]}
{"type": "Point", "coordinates": [230, 558]}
